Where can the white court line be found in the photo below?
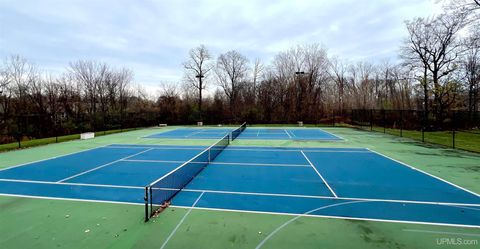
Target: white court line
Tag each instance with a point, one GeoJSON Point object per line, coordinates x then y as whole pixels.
{"type": "Point", "coordinates": [287, 133]}
{"type": "Point", "coordinates": [331, 217]}
{"type": "Point", "coordinates": [472, 208]}
{"type": "Point", "coordinates": [54, 157]}
{"type": "Point", "coordinates": [181, 222]}
{"type": "Point", "coordinates": [258, 132]}
{"type": "Point", "coordinates": [318, 173]}
{"type": "Point", "coordinates": [253, 148]}
{"type": "Point", "coordinates": [223, 163]}
{"type": "Point", "coordinates": [71, 199]}
{"type": "Point", "coordinates": [246, 211]}
{"type": "Point", "coordinates": [72, 184]}
{"type": "Point", "coordinates": [104, 165]}
{"type": "Point", "coordinates": [299, 150]}
{"type": "Point", "coordinates": [440, 232]}
{"type": "Point", "coordinates": [463, 205]}
{"type": "Point", "coordinates": [193, 133]}
{"type": "Point", "coordinates": [246, 137]}
{"type": "Point", "coordinates": [341, 138]}
{"type": "Point", "coordinates": [251, 133]}
{"type": "Point", "coordinates": [293, 134]}
{"type": "Point", "coordinates": [426, 173]}
{"type": "Point", "coordinates": [180, 138]}
{"type": "Point", "coordinates": [299, 216]}
{"type": "Point", "coordinates": [159, 147]}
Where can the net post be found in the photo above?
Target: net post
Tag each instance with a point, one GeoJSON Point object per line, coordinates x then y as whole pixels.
{"type": "Point", "coordinates": [210, 154]}
{"type": "Point", "coordinates": [147, 214]}
{"type": "Point", "coordinates": [179, 183]}
{"type": "Point", "coordinates": [150, 195]}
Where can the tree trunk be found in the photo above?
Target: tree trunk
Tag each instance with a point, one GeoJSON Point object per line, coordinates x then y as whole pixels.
{"type": "Point", "coordinates": [200, 97]}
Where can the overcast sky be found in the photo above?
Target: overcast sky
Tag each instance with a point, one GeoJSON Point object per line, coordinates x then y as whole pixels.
{"type": "Point", "coordinates": [153, 37]}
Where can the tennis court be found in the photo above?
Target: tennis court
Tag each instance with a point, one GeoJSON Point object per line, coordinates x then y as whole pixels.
{"type": "Point", "coordinates": [347, 183]}
{"type": "Point", "coordinates": [249, 133]}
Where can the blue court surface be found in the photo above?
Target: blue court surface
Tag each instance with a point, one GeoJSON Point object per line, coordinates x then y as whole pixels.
{"type": "Point", "coordinates": [347, 183]}
{"type": "Point", "coordinates": [249, 133]}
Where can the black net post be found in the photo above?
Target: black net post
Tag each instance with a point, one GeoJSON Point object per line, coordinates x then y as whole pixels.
{"type": "Point", "coordinates": [145, 198]}
{"type": "Point", "coordinates": [147, 214]}
{"type": "Point", "coordinates": [150, 201]}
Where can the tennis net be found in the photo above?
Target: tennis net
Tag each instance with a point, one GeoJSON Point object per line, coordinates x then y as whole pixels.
{"type": "Point", "coordinates": [159, 192]}
{"type": "Point", "coordinates": [236, 132]}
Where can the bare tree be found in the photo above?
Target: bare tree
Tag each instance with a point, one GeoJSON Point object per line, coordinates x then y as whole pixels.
{"type": "Point", "coordinates": [316, 65]}
{"type": "Point", "coordinates": [52, 92]}
{"type": "Point", "coordinates": [258, 69]}
{"type": "Point", "coordinates": [22, 74]}
{"type": "Point", "coordinates": [463, 5]}
{"type": "Point", "coordinates": [168, 102]}
{"type": "Point", "coordinates": [197, 68]}
{"type": "Point", "coordinates": [416, 55]}
{"type": "Point", "coordinates": [361, 85]}
{"type": "Point", "coordinates": [4, 98]}
{"type": "Point", "coordinates": [339, 70]}
{"type": "Point", "coordinates": [231, 71]}
{"type": "Point", "coordinates": [433, 43]}
{"type": "Point", "coordinates": [99, 90]}
{"type": "Point", "coordinates": [471, 68]}
{"type": "Point", "coordinates": [124, 80]}
{"type": "Point", "coordinates": [88, 75]}
{"type": "Point", "coordinates": [4, 80]}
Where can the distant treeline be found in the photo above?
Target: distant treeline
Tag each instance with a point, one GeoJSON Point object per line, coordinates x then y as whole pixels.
{"type": "Point", "coordinates": [439, 71]}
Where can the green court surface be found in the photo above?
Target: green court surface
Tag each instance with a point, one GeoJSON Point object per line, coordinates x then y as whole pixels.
{"type": "Point", "coordinates": [46, 223]}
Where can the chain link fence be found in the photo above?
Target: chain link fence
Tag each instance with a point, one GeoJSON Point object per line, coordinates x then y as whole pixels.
{"type": "Point", "coordinates": [456, 129]}
{"type": "Point", "coordinates": [33, 129]}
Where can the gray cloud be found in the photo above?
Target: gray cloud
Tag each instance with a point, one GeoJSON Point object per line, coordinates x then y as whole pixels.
{"type": "Point", "coordinates": [153, 37]}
